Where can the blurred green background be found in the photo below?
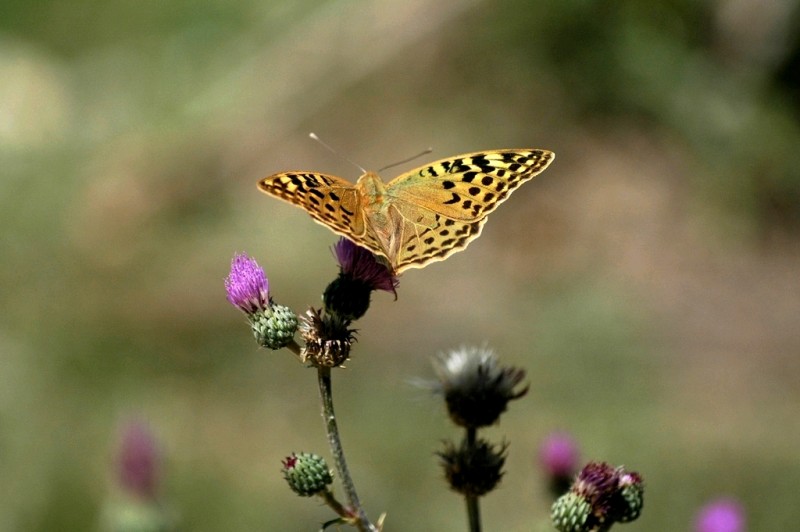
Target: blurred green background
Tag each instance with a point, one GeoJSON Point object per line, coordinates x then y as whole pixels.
{"type": "Point", "coordinates": [648, 280]}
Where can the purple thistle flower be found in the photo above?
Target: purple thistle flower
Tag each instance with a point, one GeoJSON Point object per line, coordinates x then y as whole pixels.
{"type": "Point", "coordinates": [613, 494]}
{"type": "Point", "coordinates": [138, 461]}
{"type": "Point", "coordinates": [247, 285]}
{"type": "Point", "coordinates": [559, 454]}
{"type": "Point", "coordinates": [721, 515]}
{"type": "Point", "coordinates": [597, 483]}
{"type": "Point", "coordinates": [248, 288]}
{"type": "Point", "coordinates": [558, 458]}
{"type": "Point", "coordinates": [361, 265]}
{"type": "Point", "coordinates": [360, 272]}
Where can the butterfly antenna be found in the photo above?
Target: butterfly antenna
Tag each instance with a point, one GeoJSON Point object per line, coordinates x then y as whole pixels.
{"type": "Point", "coordinates": [398, 163]}
{"type": "Point", "coordinates": [315, 137]}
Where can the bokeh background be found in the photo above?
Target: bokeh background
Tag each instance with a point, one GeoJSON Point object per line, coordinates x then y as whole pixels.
{"type": "Point", "coordinates": [648, 280]}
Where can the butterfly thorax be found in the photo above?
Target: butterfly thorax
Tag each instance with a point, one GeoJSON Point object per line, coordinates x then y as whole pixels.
{"type": "Point", "coordinates": [372, 190]}
{"type": "Point", "coordinates": [383, 220]}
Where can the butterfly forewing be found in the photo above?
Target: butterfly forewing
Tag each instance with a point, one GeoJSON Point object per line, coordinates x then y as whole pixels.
{"type": "Point", "coordinates": [469, 187]}
{"type": "Point", "coordinates": [328, 199]}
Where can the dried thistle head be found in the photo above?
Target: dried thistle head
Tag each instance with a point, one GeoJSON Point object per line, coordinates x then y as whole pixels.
{"type": "Point", "coordinates": [327, 339]}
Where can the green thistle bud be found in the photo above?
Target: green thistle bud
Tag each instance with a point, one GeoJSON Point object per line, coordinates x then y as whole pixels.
{"type": "Point", "coordinates": [571, 513]}
{"type": "Point", "coordinates": [632, 492]}
{"type": "Point", "coordinates": [274, 326]}
{"type": "Point", "coordinates": [306, 473]}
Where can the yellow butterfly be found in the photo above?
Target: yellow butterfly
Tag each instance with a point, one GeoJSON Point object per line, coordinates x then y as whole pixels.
{"type": "Point", "coordinates": [419, 217]}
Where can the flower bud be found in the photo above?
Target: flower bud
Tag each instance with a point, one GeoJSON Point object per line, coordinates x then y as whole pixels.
{"type": "Point", "coordinates": [570, 513]}
{"type": "Point", "coordinates": [306, 473]}
{"type": "Point", "coordinates": [274, 326]}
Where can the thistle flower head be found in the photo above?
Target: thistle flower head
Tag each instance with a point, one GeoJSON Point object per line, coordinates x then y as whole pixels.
{"type": "Point", "coordinates": [721, 515]}
{"type": "Point", "coordinates": [558, 454]}
{"type": "Point", "coordinates": [600, 496]}
{"type": "Point", "coordinates": [327, 338]}
{"type": "Point", "coordinates": [558, 457]}
{"type": "Point", "coordinates": [473, 469]}
{"type": "Point", "coordinates": [475, 387]}
{"type": "Point", "coordinates": [360, 273]}
{"type": "Point", "coordinates": [247, 285]}
{"type": "Point", "coordinates": [138, 461]}
{"type": "Point", "coordinates": [362, 265]}
{"type": "Point", "coordinates": [248, 289]}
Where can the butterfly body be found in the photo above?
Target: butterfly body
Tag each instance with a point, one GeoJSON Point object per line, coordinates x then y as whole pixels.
{"type": "Point", "coordinates": [422, 216]}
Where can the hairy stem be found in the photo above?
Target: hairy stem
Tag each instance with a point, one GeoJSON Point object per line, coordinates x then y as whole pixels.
{"type": "Point", "coordinates": [326, 396]}
{"type": "Point", "coordinates": [331, 501]}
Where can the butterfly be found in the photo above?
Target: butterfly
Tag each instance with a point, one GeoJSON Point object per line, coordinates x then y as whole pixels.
{"type": "Point", "coordinates": [419, 217]}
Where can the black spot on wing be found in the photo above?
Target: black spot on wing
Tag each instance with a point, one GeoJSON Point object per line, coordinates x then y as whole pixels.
{"type": "Point", "coordinates": [455, 199]}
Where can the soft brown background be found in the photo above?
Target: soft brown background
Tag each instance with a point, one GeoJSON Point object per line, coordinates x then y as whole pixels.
{"type": "Point", "coordinates": [647, 281]}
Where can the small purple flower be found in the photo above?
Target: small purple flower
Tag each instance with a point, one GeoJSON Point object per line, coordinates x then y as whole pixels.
{"type": "Point", "coordinates": [248, 288]}
{"type": "Point", "coordinates": [138, 460]}
{"type": "Point", "coordinates": [559, 454]}
{"type": "Point", "coordinates": [721, 515]}
{"type": "Point", "coordinates": [361, 265]}
{"type": "Point", "coordinates": [247, 285]}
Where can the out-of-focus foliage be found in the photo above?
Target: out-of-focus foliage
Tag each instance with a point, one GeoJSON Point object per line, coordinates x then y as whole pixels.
{"type": "Point", "coordinates": [647, 281]}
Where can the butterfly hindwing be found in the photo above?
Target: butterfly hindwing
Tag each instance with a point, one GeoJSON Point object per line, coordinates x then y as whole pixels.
{"type": "Point", "coordinates": [423, 245]}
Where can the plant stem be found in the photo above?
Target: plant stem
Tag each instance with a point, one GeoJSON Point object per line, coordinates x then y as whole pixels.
{"type": "Point", "coordinates": [331, 501]}
{"type": "Point", "coordinates": [295, 348]}
{"type": "Point", "coordinates": [326, 396]}
{"type": "Point", "coordinates": [473, 510]}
